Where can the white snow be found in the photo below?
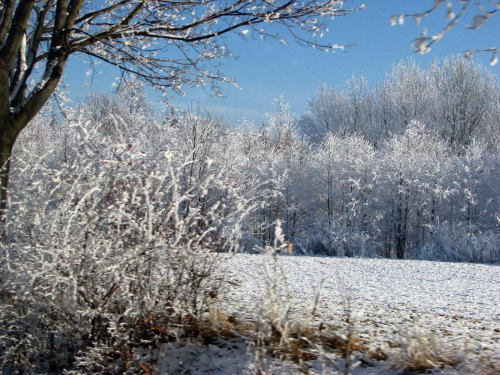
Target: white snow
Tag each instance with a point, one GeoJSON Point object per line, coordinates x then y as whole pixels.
{"type": "Point", "coordinates": [390, 301]}
{"type": "Point", "coordinates": [465, 290]}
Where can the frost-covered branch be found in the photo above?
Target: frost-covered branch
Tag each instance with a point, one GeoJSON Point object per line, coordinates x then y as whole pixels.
{"type": "Point", "coordinates": [423, 43]}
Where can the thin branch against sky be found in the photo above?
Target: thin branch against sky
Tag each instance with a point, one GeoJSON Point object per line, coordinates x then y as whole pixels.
{"type": "Point", "coordinates": [266, 69]}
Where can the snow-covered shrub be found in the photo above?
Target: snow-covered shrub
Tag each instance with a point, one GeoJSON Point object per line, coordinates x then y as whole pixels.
{"type": "Point", "coordinates": [316, 240]}
{"type": "Point", "coordinates": [107, 252]}
{"type": "Point", "coordinates": [453, 243]}
{"type": "Point", "coordinates": [350, 242]}
{"type": "Point", "coordinates": [338, 240]}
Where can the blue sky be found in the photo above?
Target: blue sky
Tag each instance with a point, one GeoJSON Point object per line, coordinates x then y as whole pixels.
{"type": "Point", "coordinates": [267, 69]}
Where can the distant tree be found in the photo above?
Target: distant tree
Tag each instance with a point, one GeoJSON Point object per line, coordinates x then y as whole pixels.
{"type": "Point", "coordinates": [281, 123]}
{"type": "Point", "coordinates": [166, 43]}
{"type": "Point", "coordinates": [456, 98]}
{"type": "Point", "coordinates": [464, 92]}
{"type": "Point", "coordinates": [323, 114]}
{"type": "Point", "coordinates": [338, 111]}
{"type": "Point", "coordinates": [404, 95]}
{"type": "Point", "coordinates": [358, 104]}
{"type": "Point", "coordinates": [341, 178]}
{"type": "Point", "coordinates": [491, 134]}
{"type": "Point", "coordinates": [197, 134]}
{"type": "Point", "coordinates": [410, 185]}
{"type": "Point", "coordinates": [277, 157]}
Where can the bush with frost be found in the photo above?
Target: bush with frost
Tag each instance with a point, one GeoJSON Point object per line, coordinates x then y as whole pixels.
{"type": "Point", "coordinates": [109, 254]}
{"type": "Point", "coordinates": [456, 244]}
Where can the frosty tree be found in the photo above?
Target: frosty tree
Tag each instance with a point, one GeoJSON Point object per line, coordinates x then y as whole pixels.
{"type": "Point", "coordinates": [167, 43]}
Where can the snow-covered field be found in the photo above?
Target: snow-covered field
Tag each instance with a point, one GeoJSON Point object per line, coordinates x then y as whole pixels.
{"type": "Point", "coordinates": [390, 302]}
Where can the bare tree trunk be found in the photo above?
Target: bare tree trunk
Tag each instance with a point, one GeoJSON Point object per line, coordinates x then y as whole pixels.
{"type": "Point", "coordinates": [8, 136]}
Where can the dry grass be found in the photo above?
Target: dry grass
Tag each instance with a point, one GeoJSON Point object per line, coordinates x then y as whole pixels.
{"type": "Point", "coordinates": [488, 364]}
{"type": "Point", "coordinates": [420, 352]}
{"type": "Point", "coordinates": [291, 341]}
{"type": "Point", "coordinates": [333, 344]}
{"type": "Point", "coordinates": [415, 352]}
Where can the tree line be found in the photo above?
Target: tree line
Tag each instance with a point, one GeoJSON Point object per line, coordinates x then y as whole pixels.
{"type": "Point", "coordinates": [407, 170]}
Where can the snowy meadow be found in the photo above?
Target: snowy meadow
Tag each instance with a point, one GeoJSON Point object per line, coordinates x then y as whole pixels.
{"type": "Point", "coordinates": [413, 312]}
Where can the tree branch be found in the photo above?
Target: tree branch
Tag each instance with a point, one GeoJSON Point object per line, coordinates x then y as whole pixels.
{"type": "Point", "coordinates": [16, 33]}
{"type": "Point", "coordinates": [6, 18]}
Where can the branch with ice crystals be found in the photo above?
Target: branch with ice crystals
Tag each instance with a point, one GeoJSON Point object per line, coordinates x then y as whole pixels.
{"type": "Point", "coordinates": [423, 43]}
{"type": "Point", "coordinates": [40, 85]}
{"type": "Point", "coordinates": [22, 67]}
{"type": "Point", "coordinates": [480, 19]}
{"type": "Point", "coordinates": [494, 56]}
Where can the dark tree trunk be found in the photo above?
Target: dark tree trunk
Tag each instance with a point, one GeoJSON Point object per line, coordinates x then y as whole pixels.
{"type": "Point", "coordinates": [8, 136]}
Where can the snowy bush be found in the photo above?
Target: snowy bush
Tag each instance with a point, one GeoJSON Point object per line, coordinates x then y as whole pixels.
{"type": "Point", "coordinates": [338, 240]}
{"type": "Point", "coordinates": [108, 252]}
{"type": "Point", "coordinates": [453, 243]}
{"type": "Point", "coordinates": [349, 242]}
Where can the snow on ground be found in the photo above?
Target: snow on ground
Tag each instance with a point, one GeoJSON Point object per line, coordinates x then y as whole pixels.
{"type": "Point", "coordinates": [452, 298]}
{"type": "Point", "coordinates": [389, 301]}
